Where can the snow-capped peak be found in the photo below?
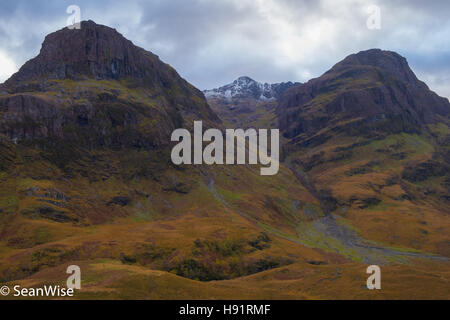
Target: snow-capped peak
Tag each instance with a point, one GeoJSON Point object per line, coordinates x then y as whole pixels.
{"type": "Point", "coordinates": [246, 87]}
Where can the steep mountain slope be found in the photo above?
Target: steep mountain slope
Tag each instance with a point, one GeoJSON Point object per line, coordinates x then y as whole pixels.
{"type": "Point", "coordinates": [86, 174]}
{"type": "Point", "coordinates": [373, 143]}
{"type": "Point", "coordinates": [90, 105]}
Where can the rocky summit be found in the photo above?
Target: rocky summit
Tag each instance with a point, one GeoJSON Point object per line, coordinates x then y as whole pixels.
{"type": "Point", "coordinates": [93, 88]}
{"type": "Point", "coordinates": [373, 88]}
{"type": "Point", "coordinates": [94, 52]}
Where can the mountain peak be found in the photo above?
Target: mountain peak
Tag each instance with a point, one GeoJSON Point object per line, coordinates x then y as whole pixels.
{"type": "Point", "coordinates": [245, 87]}
{"type": "Point", "coordinates": [386, 61]}
{"type": "Point", "coordinates": [93, 51]}
{"type": "Point", "coordinates": [244, 79]}
{"type": "Point", "coordinates": [373, 87]}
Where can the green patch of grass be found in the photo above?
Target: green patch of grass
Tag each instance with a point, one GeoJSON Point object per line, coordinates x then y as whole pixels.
{"type": "Point", "coordinates": [9, 203]}
{"type": "Point", "coordinates": [313, 238]}
{"type": "Point", "coordinates": [440, 128]}
{"type": "Point", "coordinates": [312, 210]}
{"type": "Point", "coordinates": [344, 222]}
{"type": "Point", "coordinates": [384, 206]}
{"type": "Point", "coordinates": [42, 235]}
{"type": "Point", "coordinates": [403, 142]}
{"type": "Point", "coordinates": [229, 195]}
{"type": "Point", "coordinates": [224, 248]}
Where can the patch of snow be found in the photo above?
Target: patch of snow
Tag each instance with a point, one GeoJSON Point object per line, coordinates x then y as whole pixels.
{"type": "Point", "coordinates": [245, 87]}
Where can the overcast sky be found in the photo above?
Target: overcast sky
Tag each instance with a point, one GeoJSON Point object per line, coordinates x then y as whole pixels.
{"type": "Point", "coordinates": [212, 42]}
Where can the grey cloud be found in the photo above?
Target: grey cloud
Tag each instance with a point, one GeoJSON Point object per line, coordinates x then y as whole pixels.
{"type": "Point", "coordinates": [211, 42]}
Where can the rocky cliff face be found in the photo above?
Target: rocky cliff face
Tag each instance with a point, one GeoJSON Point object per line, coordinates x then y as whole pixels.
{"type": "Point", "coordinates": [93, 88]}
{"type": "Point", "coordinates": [96, 52]}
